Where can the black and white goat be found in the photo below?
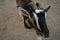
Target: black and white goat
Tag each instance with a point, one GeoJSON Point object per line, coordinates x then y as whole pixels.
{"type": "Point", "coordinates": [36, 16]}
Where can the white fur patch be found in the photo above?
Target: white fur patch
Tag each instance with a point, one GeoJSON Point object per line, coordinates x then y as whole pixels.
{"type": "Point", "coordinates": [20, 8]}
{"type": "Point", "coordinates": [38, 10]}
{"type": "Point", "coordinates": [45, 14]}
{"type": "Point", "coordinates": [36, 18]}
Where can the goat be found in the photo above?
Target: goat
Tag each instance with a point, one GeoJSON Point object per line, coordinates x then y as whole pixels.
{"type": "Point", "coordinates": [36, 17]}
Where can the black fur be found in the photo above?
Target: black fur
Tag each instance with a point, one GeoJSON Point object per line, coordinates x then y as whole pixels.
{"type": "Point", "coordinates": [27, 1]}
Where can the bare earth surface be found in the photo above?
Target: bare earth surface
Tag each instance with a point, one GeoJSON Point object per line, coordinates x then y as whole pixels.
{"type": "Point", "coordinates": [12, 27]}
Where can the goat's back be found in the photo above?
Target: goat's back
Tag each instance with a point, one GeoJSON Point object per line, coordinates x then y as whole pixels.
{"type": "Point", "coordinates": [22, 3]}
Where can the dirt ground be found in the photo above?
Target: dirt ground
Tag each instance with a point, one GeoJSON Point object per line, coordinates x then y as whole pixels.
{"type": "Point", "coordinates": [12, 26]}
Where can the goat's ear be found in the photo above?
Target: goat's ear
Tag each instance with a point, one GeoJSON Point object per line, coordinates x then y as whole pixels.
{"type": "Point", "coordinates": [37, 4]}
{"type": "Point", "coordinates": [46, 10]}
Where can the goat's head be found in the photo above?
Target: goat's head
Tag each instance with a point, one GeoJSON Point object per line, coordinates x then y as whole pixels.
{"type": "Point", "coordinates": [40, 15]}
